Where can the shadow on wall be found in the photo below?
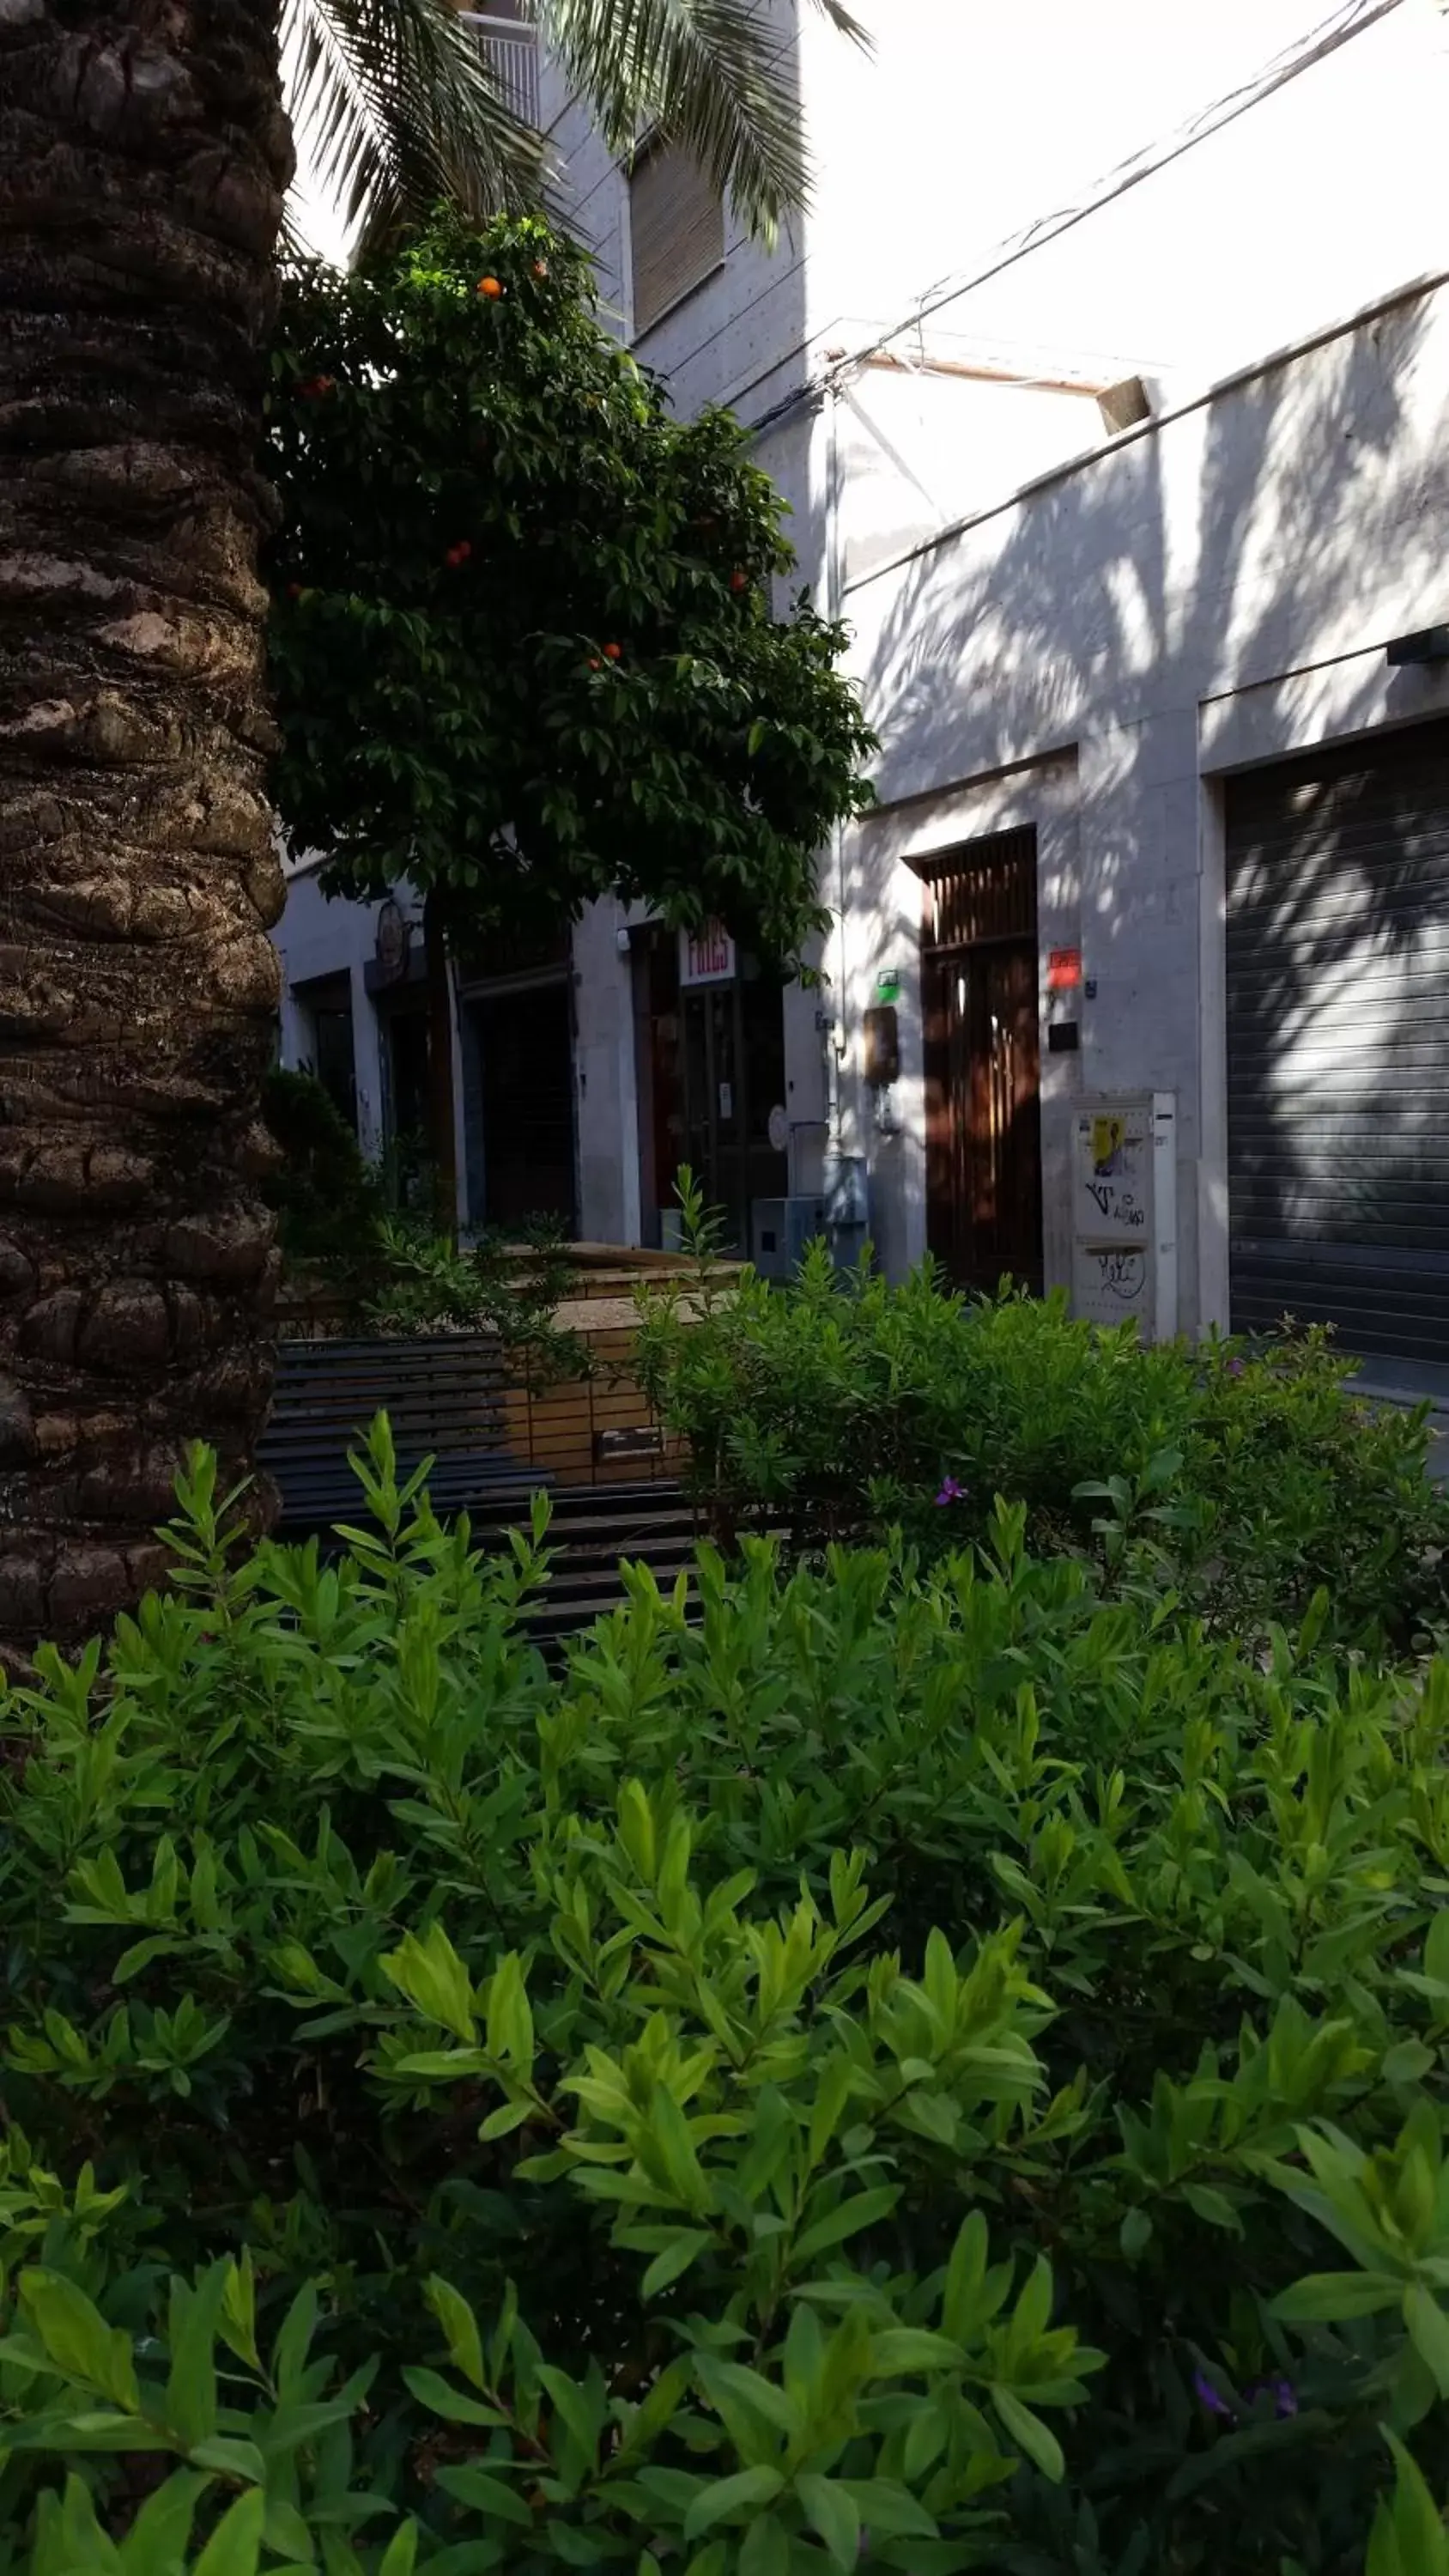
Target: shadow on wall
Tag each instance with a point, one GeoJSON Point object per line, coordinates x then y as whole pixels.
{"type": "Point", "coordinates": [1297, 518]}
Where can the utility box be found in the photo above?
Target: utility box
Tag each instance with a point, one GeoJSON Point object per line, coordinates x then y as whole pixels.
{"type": "Point", "coordinates": [780, 1232]}
{"type": "Point", "coordinates": [847, 1207]}
{"type": "Point", "coordinates": [1124, 1211]}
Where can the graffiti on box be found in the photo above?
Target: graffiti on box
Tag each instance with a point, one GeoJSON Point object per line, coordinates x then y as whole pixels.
{"type": "Point", "coordinates": [1114, 1174]}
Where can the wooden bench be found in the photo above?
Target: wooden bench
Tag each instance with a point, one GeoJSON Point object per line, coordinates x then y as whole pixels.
{"type": "Point", "coordinates": [444, 1397]}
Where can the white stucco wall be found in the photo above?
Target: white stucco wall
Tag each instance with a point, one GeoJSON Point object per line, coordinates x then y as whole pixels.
{"type": "Point", "coordinates": [1227, 578]}
{"type": "Point", "coordinates": [318, 938]}
{"type": "Point", "coordinates": [1214, 590]}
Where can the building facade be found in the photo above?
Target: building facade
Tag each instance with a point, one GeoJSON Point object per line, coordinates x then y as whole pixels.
{"type": "Point", "coordinates": [1133, 530]}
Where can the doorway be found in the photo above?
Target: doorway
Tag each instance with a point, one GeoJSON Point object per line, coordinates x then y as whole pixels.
{"type": "Point", "coordinates": [526, 1072]}
{"type": "Point", "coordinates": [715, 1072]}
{"type": "Point", "coordinates": [979, 976]}
{"type": "Point", "coordinates": [405, 1101]}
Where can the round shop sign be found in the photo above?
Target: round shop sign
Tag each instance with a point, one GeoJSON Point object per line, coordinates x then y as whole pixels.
{"type": "Point", "coordinates": [779, 1131]}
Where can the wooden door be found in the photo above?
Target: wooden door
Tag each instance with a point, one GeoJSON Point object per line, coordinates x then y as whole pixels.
{"type": "Point", "coordinates": [983, 1072]}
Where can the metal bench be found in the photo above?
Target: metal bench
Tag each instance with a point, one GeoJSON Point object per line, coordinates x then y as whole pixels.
{"type": "Point", "coordinates": [443, 1397]}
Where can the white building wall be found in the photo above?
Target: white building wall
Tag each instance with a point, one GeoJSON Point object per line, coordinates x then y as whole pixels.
{"type": "Point", "coordinates": [1215, 589]}
{"type": "Point", "coordinates": [319, 938]}
{"type": "Point", "coordinates": [1097, 618]}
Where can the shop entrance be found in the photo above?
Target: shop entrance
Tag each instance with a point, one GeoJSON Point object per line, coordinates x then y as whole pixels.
{"type": "Point", "coordinates": [712, 1070]}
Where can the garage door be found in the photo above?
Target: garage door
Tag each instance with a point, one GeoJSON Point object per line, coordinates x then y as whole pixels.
{"type": "Point", "coordinates": [1338, 1044]}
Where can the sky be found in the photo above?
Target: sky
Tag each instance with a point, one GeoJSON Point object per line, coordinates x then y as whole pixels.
{"type": "Point", "coordinates": [1202, 266]}
{"type": "Point", "coordinates": [1015, 107]}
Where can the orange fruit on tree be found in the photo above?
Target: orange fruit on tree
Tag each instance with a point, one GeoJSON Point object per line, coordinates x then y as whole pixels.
{"type": "Point", "coordinates": [490, 287]}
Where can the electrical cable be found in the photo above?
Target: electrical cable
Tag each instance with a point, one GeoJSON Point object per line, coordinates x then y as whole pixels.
{"type": "Point", "coordinates": [1352, 20]}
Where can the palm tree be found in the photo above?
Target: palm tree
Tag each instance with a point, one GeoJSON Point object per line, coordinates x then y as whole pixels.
{"type": "Point", "coordinates": [144, 158]}
{"type": "Point", "coordinates": [404, 110]}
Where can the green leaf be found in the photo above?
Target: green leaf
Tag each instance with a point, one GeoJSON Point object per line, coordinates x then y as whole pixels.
{"type": "Point", "coordinates": [734, 2380]}
{"type": "Point", "coordinates": [831, 2510]}
{"type": "Point", "coordinates": [1429, 2331]}
{"type": "Point", "coordinates": [460, 2329]}
{"type": "Point", "coordinates": [1327, 2296]}
{"type": "Point", "coordinates": [441, 2398]}
{"type": "Point", "coordinates": [285, 2532]}
{"type": "Point", "coordinates": [231, 2458]}
{"type": "Point", "coordinates": [235, 2546]}
{"type": "Point", "coordinates": [508, 2117]}
{"type": "Point", "coordinates": [1408, 2538]}
{"type": "Point", "coordinates": [401, 2552]}
{"type": "Point", "coordinates": [190, 2402]}
{"type": "Point", "coordinates": [77, 2338]}
{"type": "Point", "coordinates": [1212, 2207]}
{"type": "Point", "coordinates": [489, 2494]}
{"type": "Point", "coordinates": [765, 2549]}
{"type": "Point", "coordinates": [434, 1980]}
{"type": "Point", "coordinates": [902, 2348]}
{"type": "Point", "coordinates": [238, 2320]}
{"type": "Point", "coordinates": [965, 2275]}
{"type": "Point", "coordinates": [575, 2408]}
{"type": "Point", "coordinates": [888, 2510]}
{"type": "Point", "coordinates": [162, 2527]}
{"type": "Point", "coordinates": [1134, 2235]}
{"type": "Point", "coordinates": [510, 2022]}
{"type": "Point", "coordinates": [1031, 2434]}
{"type": "Point", "coordinates": [731, 2496]}
{"type": "Point", "coordinates": [848, 2220]}
{"type": "Point", "coordinates": [675, 2259]}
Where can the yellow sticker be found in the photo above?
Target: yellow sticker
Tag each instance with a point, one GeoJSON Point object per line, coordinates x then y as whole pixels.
{"type": "Point", "coordinates": [1108, 1135]}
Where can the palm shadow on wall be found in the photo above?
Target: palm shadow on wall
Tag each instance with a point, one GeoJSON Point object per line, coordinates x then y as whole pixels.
{"type": "Point", "coordinates": [1104, 589]}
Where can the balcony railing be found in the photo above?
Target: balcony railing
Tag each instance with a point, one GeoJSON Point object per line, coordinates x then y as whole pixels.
{"type": "Point", "coordinates": [511, 50]}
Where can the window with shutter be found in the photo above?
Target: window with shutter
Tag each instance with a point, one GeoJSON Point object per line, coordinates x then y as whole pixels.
{"type": "Point", "coordinates": [676, 229]}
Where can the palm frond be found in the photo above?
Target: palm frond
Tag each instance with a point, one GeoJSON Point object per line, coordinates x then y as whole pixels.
{"type": "Point", "coordinates": [839, 16]}
{"type": "Point", "coordinates": [400, 108]}
{"type": "Point", "coordinates": [711, 73]}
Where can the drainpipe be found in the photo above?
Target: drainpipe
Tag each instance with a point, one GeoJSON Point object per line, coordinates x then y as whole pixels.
{"type": "Point", "coordinates": [837, 1045]}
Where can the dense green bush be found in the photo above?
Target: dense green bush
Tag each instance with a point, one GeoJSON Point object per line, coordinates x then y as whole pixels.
{"type": "Point", "coordinates": [917, 2070]}
{"type": "Point", "coordinates": [330, 1203]}
{"type": "Point", "coordinates": [340, 1229]}
{"type": "Point", "coordinates": [840, 1408]}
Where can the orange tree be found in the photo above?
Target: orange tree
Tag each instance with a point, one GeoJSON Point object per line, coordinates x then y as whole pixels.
{"type": "Point", "coordinates": [522, 639]}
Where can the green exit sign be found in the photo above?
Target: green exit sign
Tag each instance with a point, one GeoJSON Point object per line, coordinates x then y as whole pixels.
{"type": "Point", "coordinates": [888, 985]}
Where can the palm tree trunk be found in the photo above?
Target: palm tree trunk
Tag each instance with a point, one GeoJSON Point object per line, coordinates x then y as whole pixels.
{"type": "Point", "coordinates": [143, 159]}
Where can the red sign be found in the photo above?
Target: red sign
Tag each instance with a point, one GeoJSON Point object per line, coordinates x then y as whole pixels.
{"type": "Point", "coordinates": [1064, 970]}
{"type": "Point", "coordinates": [706, 956]}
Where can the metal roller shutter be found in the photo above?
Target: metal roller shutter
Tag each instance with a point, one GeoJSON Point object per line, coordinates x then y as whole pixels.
{"type": "Point", "coordinates": [676, 228]}
{"type": "Point", "coordinates": [1338, 1044]}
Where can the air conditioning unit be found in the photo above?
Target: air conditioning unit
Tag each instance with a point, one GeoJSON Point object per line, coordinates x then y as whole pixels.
{"type": "Point", "coordinates": [780, 1230]}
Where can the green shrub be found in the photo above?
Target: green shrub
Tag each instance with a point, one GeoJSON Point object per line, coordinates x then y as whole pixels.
{"type": "Point", "coordinates": [919, 2070]}
{"type": "Point", "coordinates": [338, 1226]}
{"type": "Point", "coordinates": [841, 1407]}
{"type": "Point", "coordinates": [329, 1201]}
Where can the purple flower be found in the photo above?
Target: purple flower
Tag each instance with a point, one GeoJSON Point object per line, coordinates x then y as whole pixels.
{"type": "Point", "coordinates": [1235, 1368]}
{"type": "Point", "coordinates": [950, 1492]}
{"type": "Point", "coordinates": [1283, 2394]}
{"type": "Point", "coordinates": [1209, 2396]}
